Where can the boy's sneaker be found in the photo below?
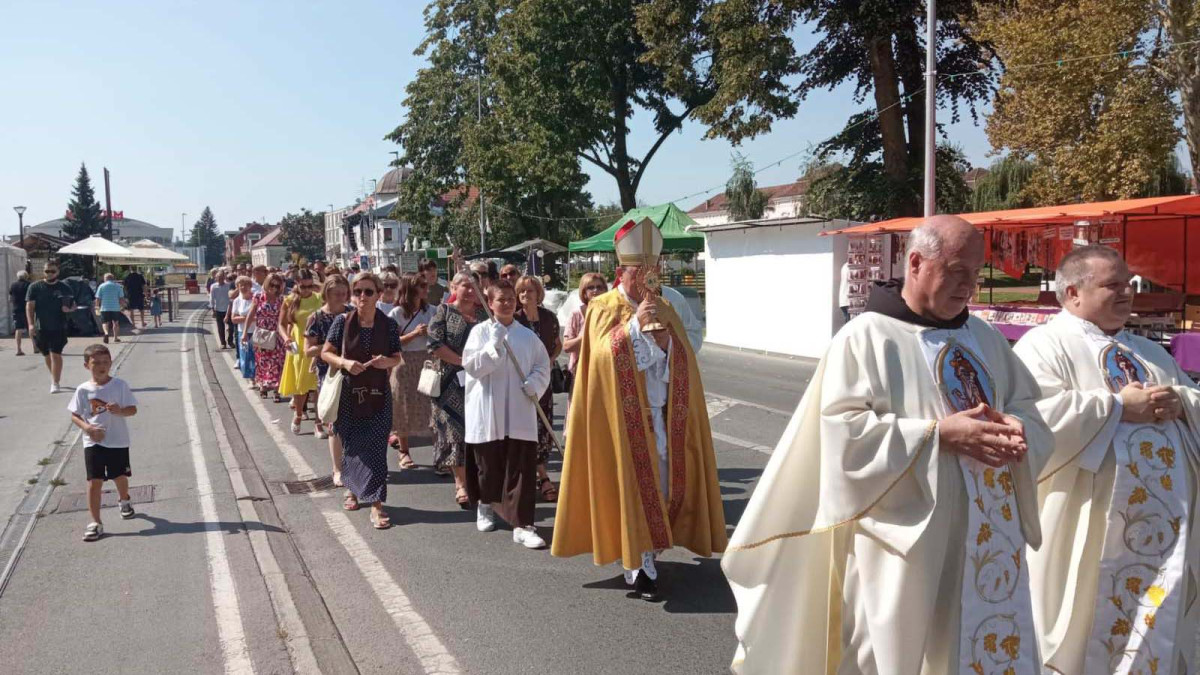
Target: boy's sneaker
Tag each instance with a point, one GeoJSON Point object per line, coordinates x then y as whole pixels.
{"type": "Point", "coordinates": [528, 537]}
{"type": "Point", "coordinates": [126, 509]}
{"type": "Point", "coordinates": [485, 520]}
{"type": "Point", "coordinates": [93, 532]}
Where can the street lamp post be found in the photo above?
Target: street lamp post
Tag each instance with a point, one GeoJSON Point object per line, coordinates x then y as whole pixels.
{"type": "Point", "coordinates": [20, 224]}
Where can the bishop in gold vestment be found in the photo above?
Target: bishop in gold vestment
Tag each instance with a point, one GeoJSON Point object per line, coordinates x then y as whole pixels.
{"type": "Point", "coordinates": [640, 474]}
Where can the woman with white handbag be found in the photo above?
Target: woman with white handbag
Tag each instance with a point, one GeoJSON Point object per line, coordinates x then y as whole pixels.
{"type": "Point", "coordinates": [410, 409]}
{"type": "Point", "coordinates": [364, 345]}
{"type": "Point", "coordinates": [269, 352]}
{"type": "Point", "coordinates": [335, 292]}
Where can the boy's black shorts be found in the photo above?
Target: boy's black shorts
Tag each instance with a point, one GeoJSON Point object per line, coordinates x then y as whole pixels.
{"type": "Point", "coordinates": [106, 463]}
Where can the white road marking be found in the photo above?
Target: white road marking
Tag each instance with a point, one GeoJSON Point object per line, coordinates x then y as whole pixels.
{"type": "Point", "coordinates": [224, 594]}
{"type": "Point", "coordinates": [417, 633]}
{"type": "Point", "coordinates": [728, 402]}
{"type": "Point", "coordinates": [287, 616]}
{"type": "Point", "coordinates": [741, 443]}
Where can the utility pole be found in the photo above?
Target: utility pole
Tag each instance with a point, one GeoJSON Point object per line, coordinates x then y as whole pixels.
{"type": "Point", "coordinates": [108, 204]}
{"type": "Point", "coordinates": [479, 120]}
{"type": "Point", "coordinates": [930, 108]}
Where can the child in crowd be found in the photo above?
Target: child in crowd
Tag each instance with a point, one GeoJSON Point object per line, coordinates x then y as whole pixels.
{"type": "Point", "coordinates": [156, 308]}
{"type": "Point", "coordinates": [99, 408]}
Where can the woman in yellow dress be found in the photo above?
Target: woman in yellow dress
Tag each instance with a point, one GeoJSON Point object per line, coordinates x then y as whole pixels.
{"type": "Point", "coordinates": [299, 374]}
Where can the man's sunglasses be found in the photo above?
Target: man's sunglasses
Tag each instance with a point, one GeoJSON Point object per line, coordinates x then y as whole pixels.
{"type": "Point", "coordinates": [365, 292]}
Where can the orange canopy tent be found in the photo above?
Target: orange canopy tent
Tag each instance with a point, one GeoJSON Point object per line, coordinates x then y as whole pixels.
{"type": "Point", "coordinates": [1157, 235]}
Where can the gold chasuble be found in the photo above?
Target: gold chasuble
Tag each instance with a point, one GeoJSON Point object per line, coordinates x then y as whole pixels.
{"type": "Point", "coordinates": [613, 502]}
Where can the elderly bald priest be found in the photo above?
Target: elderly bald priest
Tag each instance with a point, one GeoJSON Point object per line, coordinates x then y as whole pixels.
{"type": "Point", "coordinates": [889, 531]}
{"type": "Point", "coordinates": [1114, 584]}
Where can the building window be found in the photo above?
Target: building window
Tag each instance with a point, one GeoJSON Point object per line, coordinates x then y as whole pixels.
{"type": "Point", "coordinates": [387, 234]}
{"type": "Point", "coordinates": [253, 237]}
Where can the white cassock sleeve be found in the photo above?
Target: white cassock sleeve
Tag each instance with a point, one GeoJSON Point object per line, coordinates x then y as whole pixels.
{"type": "Point", "coordinates": [1082, 421]}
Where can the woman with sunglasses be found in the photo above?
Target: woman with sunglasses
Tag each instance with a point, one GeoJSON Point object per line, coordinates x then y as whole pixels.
{"type": "Point", "coordinates": [364, 344]}
{"type": "Point", "coordinates": [391, 290]}
{"type": "Point", "coordinates": [448, 332]}
{"type": "Point", "coordinates": [410, 410]}
{"type": "Point", "coordinates": [264, 315]}
{"type": "Point", "coordinates": [299, 377]}
{"type": "Point", "coordinates": [336, 293]}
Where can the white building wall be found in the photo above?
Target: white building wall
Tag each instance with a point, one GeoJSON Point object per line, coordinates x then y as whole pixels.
{"type": "Point", "coordinates": [271, 256]}
{"type": "Point", "coordinates": [772, 289]}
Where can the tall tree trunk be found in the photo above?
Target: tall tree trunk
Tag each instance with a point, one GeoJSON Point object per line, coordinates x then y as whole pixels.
{"type": "Point", "coordinates": [620, 108]}
{"type": "Point", "coordinates": [891, 117]}
{"type": "Point", "coordinates": [1184, 65]}
{"type": "Point", "coordinates": [909, 60]}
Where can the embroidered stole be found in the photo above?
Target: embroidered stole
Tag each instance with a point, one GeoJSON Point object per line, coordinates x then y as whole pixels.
{"type": "Point", "coordinates": [996, 634]}
{"type": "Point", "coordinates": [1143, 559]}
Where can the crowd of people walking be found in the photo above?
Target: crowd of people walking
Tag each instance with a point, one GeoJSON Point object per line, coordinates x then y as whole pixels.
{"type": "Point", "coordinates": [381, 334]}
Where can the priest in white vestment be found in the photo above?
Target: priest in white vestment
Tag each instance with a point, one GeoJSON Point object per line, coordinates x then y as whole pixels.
{"type": "Point", "coordinates": [1114, 582]}
{"type": "Point", "coordinates": [888, 532]}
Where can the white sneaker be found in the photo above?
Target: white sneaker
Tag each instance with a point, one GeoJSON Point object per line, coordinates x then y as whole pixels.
{"type": "Point", "coordinates": [485, 519]}
{"type": "Point", "coordinates": [93, 532]}
{"type": "Point", "coordinates": [528, 537]}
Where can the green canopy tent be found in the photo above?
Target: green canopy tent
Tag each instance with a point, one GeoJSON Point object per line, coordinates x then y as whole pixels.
{"type": "Point", "coordinates": [671, 221]}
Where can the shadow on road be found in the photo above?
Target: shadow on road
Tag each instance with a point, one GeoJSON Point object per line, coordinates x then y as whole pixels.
{"type": "Point", "coordinates": [686, 588]}
{"type": "Point", "coordinates": [164, 526]}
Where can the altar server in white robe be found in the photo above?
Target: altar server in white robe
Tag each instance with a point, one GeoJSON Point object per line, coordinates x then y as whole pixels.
{"type": "Point", "coordinates": [1114, 582]}
{"type": "Point", "coordinates": [888, 532]}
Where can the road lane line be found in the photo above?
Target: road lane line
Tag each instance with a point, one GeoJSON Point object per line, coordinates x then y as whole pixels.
{"type": "Point", "coordinates": [433, 655]}
{"type": "Point", "coordinates": [417, 633]}
{"type": "Point", "coordinates": [230, 632]}
{"type": "Point", "coordinates": [299, 647]}
{"type": "Point", "coordinates": [741, 443]}
{"type": "Point", "coordinates": [729, 402]}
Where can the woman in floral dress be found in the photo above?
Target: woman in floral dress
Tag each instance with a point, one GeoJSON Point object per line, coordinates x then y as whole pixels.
{"type": "Point", "coordinates": [264, 314]}
{"type": "Point", "coordinates": [447, 337]}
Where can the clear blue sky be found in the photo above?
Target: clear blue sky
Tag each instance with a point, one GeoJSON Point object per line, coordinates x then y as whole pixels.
{"type": "Point", "coordinates": [260, 108]}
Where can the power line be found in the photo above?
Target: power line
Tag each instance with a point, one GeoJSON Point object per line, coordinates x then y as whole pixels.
{"type": "Point", "coordinates": [988, 70]}
{"type": "Point", "coordinates": [778, 162]}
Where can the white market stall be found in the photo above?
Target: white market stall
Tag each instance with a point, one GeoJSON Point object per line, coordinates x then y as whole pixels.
{"type": "Point", "coordinates": [12, 262]}
{"type": "Point", "coordinates": [771, 284]}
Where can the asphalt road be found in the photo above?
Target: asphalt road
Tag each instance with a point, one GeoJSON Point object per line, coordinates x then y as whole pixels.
{"type": "Point", "coordinates": [228, 570]}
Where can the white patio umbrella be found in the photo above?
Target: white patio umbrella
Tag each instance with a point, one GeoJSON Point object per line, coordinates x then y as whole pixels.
{"type": "Point", "coordinates": [146, 252]}
{"type": "Point", "coordinates": [95, 246]}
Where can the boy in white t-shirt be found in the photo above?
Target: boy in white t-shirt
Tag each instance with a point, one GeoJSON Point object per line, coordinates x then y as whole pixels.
{"type": "Point", "coordinates": [99, 408]}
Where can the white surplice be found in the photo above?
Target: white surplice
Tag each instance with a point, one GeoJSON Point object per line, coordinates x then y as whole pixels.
{"type": "Point", "coordinates": [496, 407]}
{"type": "Point", "coordinates": [1105, 482]}
{"type": "Point", "coordinates": [655, 364]}
{"type": "Point", "coordinates": [853, 554]}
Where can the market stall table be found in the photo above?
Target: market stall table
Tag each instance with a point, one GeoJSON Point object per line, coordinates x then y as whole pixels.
{"type": "Point", "coordinates": [1185, 347]}
{"type": "Point", "coordinates": [1014, 321]}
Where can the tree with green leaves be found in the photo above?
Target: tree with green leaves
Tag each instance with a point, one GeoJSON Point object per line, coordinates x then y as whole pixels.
{"type": "Point", "coordinates": [304, 234]}
{"type": "Point", "coordinates": [1096, 128]}
{"type": "Point", "coordinates": [746, 201]}
{"type": "Point", "coordinates": [864, 191]}
{"type": "Point", "coordinates": [205, 233]}
{"type": "Point", "coordinates": [84, 215]}
{"type": "Point", "coordinates": [454, 136]}
{"type": "Point", "coordinates": [1003, 187]}
{"type": "Point", "coordinates": [1176, 25]}
{"type": "Point", "coordinates": [876, 45]}
{"type": "Point", "coordinates": [577, 73]}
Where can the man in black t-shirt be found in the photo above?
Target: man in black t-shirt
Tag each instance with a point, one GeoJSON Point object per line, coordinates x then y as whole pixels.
{"type": "Point", "coordinates": [135, 294]}
{"type": "Point", "coordinates": [46, 305]}
{"type": "Point", "coordinates": [16, 294]}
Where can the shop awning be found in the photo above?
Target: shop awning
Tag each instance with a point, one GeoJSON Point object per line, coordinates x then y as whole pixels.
{"type": "Point", "coordinates": [1158, 236]}
{"type": "Point", "coordinates": [672, 222]}
{"type": "Point", "coordinates": [1136, 210]}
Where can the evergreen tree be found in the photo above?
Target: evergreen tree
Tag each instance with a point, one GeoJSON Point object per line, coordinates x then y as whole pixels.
{"type": "Point", "coordinates": [205, 233]}
{"type": "Point", "coordinates": [83, 211]}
